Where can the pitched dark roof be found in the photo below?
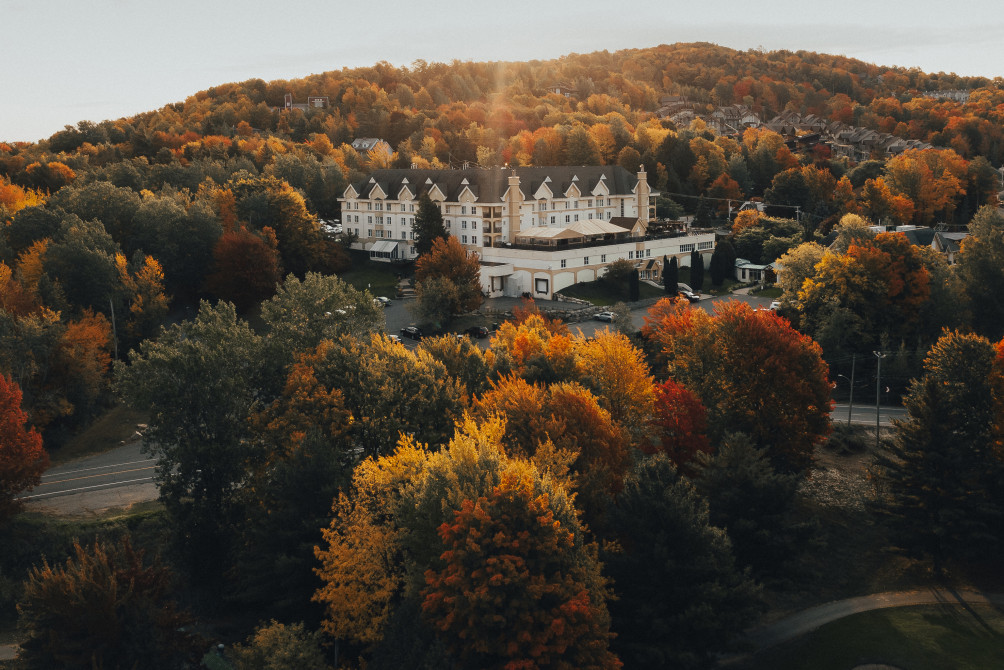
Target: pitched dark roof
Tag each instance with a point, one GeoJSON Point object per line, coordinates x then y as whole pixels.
{"type": "Point", "coordinates": [489, 184]}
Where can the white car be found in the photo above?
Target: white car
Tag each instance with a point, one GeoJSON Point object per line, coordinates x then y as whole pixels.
{"type": "Point", "coordinates": [381, 300]}
{"type": "Point", "coordinates": [605, 316]}
{"type": "Point", "coordinates": [775, 305]}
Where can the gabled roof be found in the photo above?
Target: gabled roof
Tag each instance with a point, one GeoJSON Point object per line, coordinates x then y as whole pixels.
{"type": "Point", "coordinates": [490, 184]}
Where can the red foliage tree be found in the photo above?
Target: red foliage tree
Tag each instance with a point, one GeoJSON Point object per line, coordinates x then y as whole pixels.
{"type": "Point", "coordinates": [509, 594]}
{"type": "Point", "coordinates": [681, 424]}
{"type": "Point", "coordinates": [22, 459]}
{"type": "Point", "coordinates": [247, 267]}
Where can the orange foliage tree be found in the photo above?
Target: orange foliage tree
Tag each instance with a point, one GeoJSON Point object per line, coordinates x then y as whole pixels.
{"type": "Point", "coordinates": [507, 594]}
{"type": "Point", "coordinates": [22, 458]}
{"type": "Point", "coordinates": [753, 373]}
{"type": "Point", "coordinates": [447, 259]}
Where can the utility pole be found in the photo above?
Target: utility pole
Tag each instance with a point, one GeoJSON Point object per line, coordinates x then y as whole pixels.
{"type": "Point", "coordinates": [878, 390]}
{"type": "Point", "coordinates": [850, 400]}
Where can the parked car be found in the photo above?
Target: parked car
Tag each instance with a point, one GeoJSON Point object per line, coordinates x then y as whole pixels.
{"type": "Point", "coordinates": [384, 301]}
{"type": "Point", "coordinates": [775, 305]}
{"type": "Point", "coordinates": [605, 316]}
{"type": "Point", "coordinates": [692, 297]}
{"type": "Point", "coordinates": [480, 332]}
{"type": "Point", "coordinates": [395, 338]}
{"type": "Point", "coordinates": [414, 332]}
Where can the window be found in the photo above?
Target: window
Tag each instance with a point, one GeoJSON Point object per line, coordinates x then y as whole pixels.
{"type": "Point", "coordinates": [589, 203]}
{"type": "Point", "coordinates": [463, 209]}
{"type": "Point", "coordinates": [404, 236]}
{"type": "Point", "coordinates": [369, 218]}
{"type": "Point", "coordinates": [404, 221]}
{"type": "Point", "coordinates": [465, 239]}
{"type": "Point", "coordinates": [552, 219]}
{"type": "Point", "coordinates": [369, 205]}
{"type": "Point", "coordinates": [379, 233]}
{"type": "Point", "coordinates": [463, 224]}
{"type": "Point", "coordinates": [648, 253]}
{"type": "Point", "coordinates": [603, 258]}
{"type": "Point", "coordinates": [380, 220]}
{"type": "Point", "coordinates": [630, 255]}
{"type": "Point", "coordinates": [411, 208]}
{"type": "Point", "coordinates": [576, 217]}
{"type": "Point", "coordinates": [562, 262]}
{"type": "Point", "coordinates": [379, 207]}
{"type": "Point", "coordinates": [369, 232]}
{"type": "Point", "coordinates": [567, 217]}
{"type": "Point", "coordinates": [705, 245]}
{"type": "Point", "coordinates": [474, 225]}
{"type": "Point", "coordinates": [413, 234]}
{"type": "Point", "coordinates": [447, 209]}
{"type": "Point", "coordinates": [474, 209]}
{"type": "Point", "coordinates": [686, 247]}
{"type": "Point", "coordinates": [590, 215]}
{"type": "Point", "coordinates": [402, 207]}
{"type": "Point", "coordinates": [542, 205]}
{"type": "Point", "coordinates": [575, 204]}
{"type": "Point", "coordinates": [411, 221]}
{"type": "Point", "coordinates": [474, 239]}
{"type": "Point", "coordinates": [585, 260]}
{"type": "Point", "coordinates": [540, 285]}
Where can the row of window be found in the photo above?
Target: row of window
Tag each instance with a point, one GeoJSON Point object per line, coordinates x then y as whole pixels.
{"type": "Point", "coordinates": [542, 204]}
{"type": "Point", "coordinates": [379, 206]}
{"type": "Point", "coordinates": [647, 253]}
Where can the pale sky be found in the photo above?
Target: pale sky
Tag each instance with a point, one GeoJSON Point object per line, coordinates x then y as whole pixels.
{"type": "Point", "coordinates": [63, 61]}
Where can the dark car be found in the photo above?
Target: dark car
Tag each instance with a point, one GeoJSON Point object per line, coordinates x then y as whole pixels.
{"type": "Point", "coordinates": [480, 332]}
{"type": "Point", "coordinates": [414, 332]}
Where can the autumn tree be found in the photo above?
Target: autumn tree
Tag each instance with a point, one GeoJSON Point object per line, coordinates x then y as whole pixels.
{"type": "Point", "coordinates": [428, 226]}
{"type": "Point", "coordinates": [394, 543]}
{"type": "Point", "coordinates": [465, 361]}
{"type": "Point", "coordinates": [797, 265]}
{"type": "Point", "coordinates": [277, 646]}
{"type": "Point", "coordinates": [752, 372]}
{"type": "Point", "coordinates": [142, 287]}
{"type": "Point", "coordinates": [22, 458]}
{"type": "Point", "coordinates": [246, 267]}
{"type": "Point", "coordinates": [617, 374]}
{"type": "Point", "coordinates": [106, 607]}
{"type": "Point", "coordinates": [680, 596]}
{"type": "Point", "coordinates": [448, 261]}
{"type": "Point", "coordinates": [569, 419]}
{"type": "Point", "coordinates": [679, 423]}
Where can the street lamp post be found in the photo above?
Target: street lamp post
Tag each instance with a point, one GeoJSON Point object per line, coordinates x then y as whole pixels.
{"type": "Point", "coordinates": [878, 389]}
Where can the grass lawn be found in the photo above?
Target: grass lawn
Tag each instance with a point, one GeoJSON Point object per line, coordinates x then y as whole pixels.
{"type": "Point", "coordinates": [107, 432]}
{"type": "Point", "coordinates": [377, 278]}
{"type": "Point", "coordinates": [936, 637]}
{"type": "Point", "coordinates": [604, 293]}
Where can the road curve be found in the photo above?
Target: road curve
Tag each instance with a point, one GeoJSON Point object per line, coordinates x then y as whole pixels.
{"type": "Point", "coordinates": [809, 620]}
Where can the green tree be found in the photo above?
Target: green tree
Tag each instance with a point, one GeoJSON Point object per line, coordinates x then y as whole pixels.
{"type": "Point", "coordinates": [428, 225]}
{"type": "Point", "coordinates": [979, 265]}
{"type": "Point", "coordinates": [680, 596]}
{"type": "Point", "coordinates": [634, 289]}
{"type": "Point", "coordinates": [723, 262]}
{"type": "Point", "coordinates": [941, 481]}
{"type": "Point", "coordinates": [200, 381]}
{"type": "Point", "coordinates": [754, 503]}
{"type": "Point", "coordinates": [305, 311]}
{"type": "Point", "coordinates": [106, 607]}
{"type": "Point", "coordinates": [671, 276]}
{"type": "Point", "coordinates": [580, 148]}
{"type": "Point", "coordinates": [696, 271]}
{"type": "Point", "coordinates": [81, 264]}
{"type": "Point", "coordinates": [447, 280]}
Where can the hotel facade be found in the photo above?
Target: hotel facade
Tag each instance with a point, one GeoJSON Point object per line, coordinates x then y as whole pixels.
{"type": "Point", "coordinates": [536, 230]}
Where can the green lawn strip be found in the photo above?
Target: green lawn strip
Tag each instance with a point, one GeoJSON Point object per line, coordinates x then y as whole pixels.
{"type": "Point", "coordinates": [107, 432]}
{"type": "Point", "coordinates": [377, 278]}
{"type": "Point", "coordinates": [604, 293]}
{"type": "Point", "coordinates": [929, 637]}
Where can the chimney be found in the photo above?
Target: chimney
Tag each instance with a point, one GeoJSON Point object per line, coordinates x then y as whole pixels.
{"type": "Point", "coordinates": [515, 202]}
{"type": "Point", "coordinates": [643, 192]}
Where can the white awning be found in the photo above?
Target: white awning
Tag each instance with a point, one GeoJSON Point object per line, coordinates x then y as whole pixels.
{"type": "Point", "coordinates": [383, 246]}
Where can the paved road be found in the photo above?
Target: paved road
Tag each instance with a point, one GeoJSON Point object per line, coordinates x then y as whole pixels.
{"type": "Point", "coordinates": [808, 620]}
{"type": "Point", "coordinates": [115, 478]}
{"type": "Point", "coordinates": [865, 415]}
